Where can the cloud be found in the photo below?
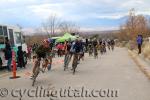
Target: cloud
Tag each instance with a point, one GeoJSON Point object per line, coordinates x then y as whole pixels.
{"type": "Point", "coordinates": [111, 16]}
{"type": "Point", "coordinates": [44, 10]}
{"type": "Point", "coordinates": [91, 13]}
{"type": "Point", "coordinates": [132, 3]}
{"type": "Point", "coordinates": [100, 28]}
{"type": "Point", "coordinates": [144, 12]}
{"type": "Point", "coordinates": [8, 1]}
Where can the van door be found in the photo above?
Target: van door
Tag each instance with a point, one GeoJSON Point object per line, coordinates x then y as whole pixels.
{"type": "Point", "coordinates": [11, 37]}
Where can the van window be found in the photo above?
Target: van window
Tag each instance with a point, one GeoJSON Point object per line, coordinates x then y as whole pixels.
{"type": "Point", "coordinates": [1, 30]}
{"type": "Point", "coordinates": [18, 37]}
{"type": "Point", "coordinates": [11, 36]}
{"type": "Point", "coordinates": [5, 31]}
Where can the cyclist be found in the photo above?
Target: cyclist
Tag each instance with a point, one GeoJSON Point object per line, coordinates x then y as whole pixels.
{"type": "Point", "coordinates": [81, 54]}
{"type": "Point", "coordinates": [112, 42]}
{"type": "Point", "coordinates": [96, 51]}
{"type": "Point", "coordinates": [41, 52]}
{"type": "Point", "coordinates": [49, 56]}
{"type": "Point", "coordinates": [67, 47]}
{"type": "Point", "coordinates": [95, 45]}
{"type": "Point", "coordinates": [103, 46]}
{"type": "Point", "coordinates": [108, 44]}
{"type": "Point", "coordinates": [90, 49]}
{"type": "Point", "coordinates": [78, 47]}
{"type": "Point", "coordinates": [72, 50]}
{"type": "Point", "coordinates": [100, 46]}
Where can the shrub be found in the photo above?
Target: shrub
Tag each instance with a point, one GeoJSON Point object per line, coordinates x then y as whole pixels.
{"type": "Point", "coordinates": [146, 50]}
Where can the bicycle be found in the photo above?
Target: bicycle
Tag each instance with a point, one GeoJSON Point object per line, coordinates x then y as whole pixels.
{"type": "Point", "coordinates": [36, 71]}
{"type": "Point", "coordinates": [112, 47]}
{"type": "Point", "coordinates": [75, 62]}
{"type": "Point", "coordinates": [66, 61]}
{"type": "Point", "coordinates": [95, 53]}
{"type": "Point", "coordinates": [90, 51]}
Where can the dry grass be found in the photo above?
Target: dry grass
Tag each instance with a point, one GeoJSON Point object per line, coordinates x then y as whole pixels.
{"type": "Point", "coordinates": [139, 64]}
{"type": "Point", "coordinates": [131, 45]}
{"type": "Point", "coordinates": [146, 50]}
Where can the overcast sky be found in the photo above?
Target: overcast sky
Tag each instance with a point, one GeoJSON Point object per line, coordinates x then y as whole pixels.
{"type": "Point", "coordinates": [91, 14]}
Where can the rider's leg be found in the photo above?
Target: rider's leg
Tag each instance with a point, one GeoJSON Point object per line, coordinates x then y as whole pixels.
{"type": "Point", "coordinates": [65, 60]}
{"type": "Point", "coordinates": [73, 60]}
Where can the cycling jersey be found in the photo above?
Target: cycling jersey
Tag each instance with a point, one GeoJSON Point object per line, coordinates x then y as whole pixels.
{"type": "Point", "coordinates": [78, 47]}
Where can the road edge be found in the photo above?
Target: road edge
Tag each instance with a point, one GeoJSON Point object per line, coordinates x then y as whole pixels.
{"type": "Point", "coordinates": [138, 61]}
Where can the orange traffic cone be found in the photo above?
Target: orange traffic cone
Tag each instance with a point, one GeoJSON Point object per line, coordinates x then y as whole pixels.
{"type": "Point", "coordinates": [14, 66]}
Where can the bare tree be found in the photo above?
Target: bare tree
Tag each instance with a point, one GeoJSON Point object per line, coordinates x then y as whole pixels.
{"type": "Point", "coordinates": [134, 25]}
{"type": "Point", "coordinates": [68, 27]}
{"type": "Point", "coordinates": [51, 25]}
{"type": "Point", "coordinates": [131, 23]}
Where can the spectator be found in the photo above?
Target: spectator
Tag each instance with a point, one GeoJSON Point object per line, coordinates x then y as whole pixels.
{"type": "Point", "coordinates": [60, 49]}
{"type": "Point", "coordinates": [8, 53]}
{"type": "Point", "coordinates": [25, 58]}
{"type": "Point", "coordinates": [20, 56]}
{"type": "Point", "coordinates": [139, 42]}
{"type": "Point", "coordinates": [29, 52]}
{"type": "Point", "coordinates": [1, 63]}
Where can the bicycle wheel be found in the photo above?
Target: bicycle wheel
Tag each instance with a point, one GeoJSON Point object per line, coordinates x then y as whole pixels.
{"type": "Point", "coordinates": [33, 82]}
{"type": "Point", "coordinates": [35, 76]}
{"type": "Point", "coordinates": [75, 63]}
{"type": "Point", "coordinates": [66, 62]}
